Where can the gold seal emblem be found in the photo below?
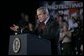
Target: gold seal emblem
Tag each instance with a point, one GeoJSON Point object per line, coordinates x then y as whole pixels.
{"type": "Point", "coordinates": [16, 45]}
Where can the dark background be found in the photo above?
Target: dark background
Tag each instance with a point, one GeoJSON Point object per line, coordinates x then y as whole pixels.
{"type": "Point", "coordinates": [10, 12]}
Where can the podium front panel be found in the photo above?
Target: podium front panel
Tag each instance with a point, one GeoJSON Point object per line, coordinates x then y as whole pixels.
{"type": "Point", "coordinates": [29, 44]}
{"type": "Point", "coordinates": [23, 44]}
{"type": "Point", "coordinates": [38, 46]}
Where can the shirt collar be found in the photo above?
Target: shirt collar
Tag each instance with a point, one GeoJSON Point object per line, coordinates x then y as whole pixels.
{"type": "Point", "coordinates": [46, 20]}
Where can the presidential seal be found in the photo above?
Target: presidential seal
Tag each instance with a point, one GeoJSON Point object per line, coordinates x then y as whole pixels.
{"type": "Point", "coordinates": [16, 45]}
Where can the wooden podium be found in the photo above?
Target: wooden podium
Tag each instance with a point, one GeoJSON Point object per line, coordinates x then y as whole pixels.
{"type": "Point", "coordinates": [28, 44]}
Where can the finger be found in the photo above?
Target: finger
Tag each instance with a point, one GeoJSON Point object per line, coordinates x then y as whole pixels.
{"type": "Point", "coordinates": [14, 25]}
{"type": "Point", "coordinates": [11, 27]}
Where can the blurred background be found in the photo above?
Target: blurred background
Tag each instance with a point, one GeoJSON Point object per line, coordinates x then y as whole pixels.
{"type": "Point", "coordinates": [12, 12]}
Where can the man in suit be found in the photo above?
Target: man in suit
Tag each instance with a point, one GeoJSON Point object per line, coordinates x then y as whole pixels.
{"type": "Point", "coordinates": [47, 28]}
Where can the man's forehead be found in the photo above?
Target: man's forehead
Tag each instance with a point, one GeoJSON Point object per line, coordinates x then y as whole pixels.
{"type": "Point", "coordinates": [39, 11]}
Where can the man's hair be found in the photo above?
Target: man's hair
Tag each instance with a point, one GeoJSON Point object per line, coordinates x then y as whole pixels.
{"type": "Point", "coordinates": [44, 10]}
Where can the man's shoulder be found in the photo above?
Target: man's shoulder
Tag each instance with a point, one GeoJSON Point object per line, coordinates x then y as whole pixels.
{"type": "Point", "coordinates": [52, 22]}
{"type": "Point", "coordinates": [51, 19]}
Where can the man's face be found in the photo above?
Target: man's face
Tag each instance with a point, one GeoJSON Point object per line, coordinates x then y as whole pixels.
{"type": "Point", "coordinates": [41, 16]}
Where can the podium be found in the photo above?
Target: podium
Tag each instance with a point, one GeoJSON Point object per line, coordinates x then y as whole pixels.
{"type": "Point", "coordinates": [28, 44]}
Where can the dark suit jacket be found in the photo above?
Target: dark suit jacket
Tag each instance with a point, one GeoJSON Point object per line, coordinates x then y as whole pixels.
{"type": "Point", "coordinates": [51, 33]}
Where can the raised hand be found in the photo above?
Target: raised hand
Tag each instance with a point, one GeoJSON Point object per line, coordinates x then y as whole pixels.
{"type": "Point", "coordinates": [14, 27]}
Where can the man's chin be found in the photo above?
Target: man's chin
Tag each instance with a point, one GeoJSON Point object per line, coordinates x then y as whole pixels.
{"type": "Point", "coordinates": [41, 20]}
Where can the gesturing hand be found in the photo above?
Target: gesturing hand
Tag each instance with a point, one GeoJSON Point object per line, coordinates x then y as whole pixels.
{"type": "Point", "coordinates": [14, 27]}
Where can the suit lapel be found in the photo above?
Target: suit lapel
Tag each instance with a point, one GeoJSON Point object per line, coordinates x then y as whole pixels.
{"type": "Point", "coordinates": [48, 25]}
